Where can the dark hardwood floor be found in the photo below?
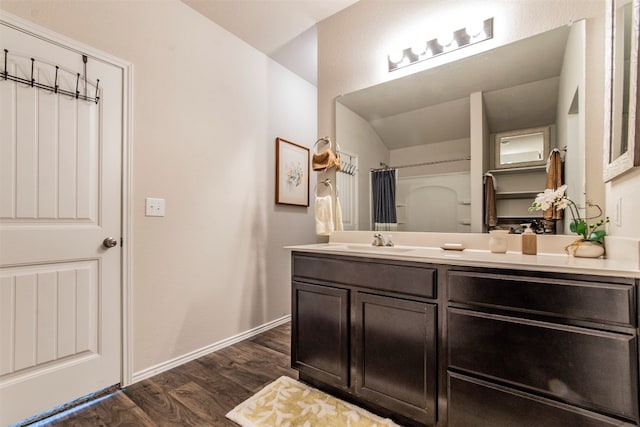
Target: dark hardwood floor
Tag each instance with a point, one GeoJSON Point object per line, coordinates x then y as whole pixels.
{"type": "Point", "coordinates": [198, 393]}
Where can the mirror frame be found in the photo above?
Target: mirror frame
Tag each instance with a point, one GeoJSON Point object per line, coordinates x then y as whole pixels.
{"type": "Point", "coordinates": [630, 158]}
{"type": "Point", "coordinates": [545, 148]}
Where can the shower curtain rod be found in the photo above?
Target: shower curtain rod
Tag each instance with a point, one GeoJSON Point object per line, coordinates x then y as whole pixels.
{"type": "Point", "coordinates": [387, 167]}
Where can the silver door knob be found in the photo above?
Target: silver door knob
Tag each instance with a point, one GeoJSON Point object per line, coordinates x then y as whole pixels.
{"type": "Point", "coordinates": [109, 242]}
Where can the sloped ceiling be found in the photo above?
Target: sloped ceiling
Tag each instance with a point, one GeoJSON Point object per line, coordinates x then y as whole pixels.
{"type": "Point", "coordinates": [273, 27]}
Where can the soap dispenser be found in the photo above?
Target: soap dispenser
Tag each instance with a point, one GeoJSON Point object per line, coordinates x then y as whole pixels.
{"type": "Point", "coordinates": [529, 241]}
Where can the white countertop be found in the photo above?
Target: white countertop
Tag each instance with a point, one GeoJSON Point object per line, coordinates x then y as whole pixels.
{"type": "Point", "coordinates": [477, 254]}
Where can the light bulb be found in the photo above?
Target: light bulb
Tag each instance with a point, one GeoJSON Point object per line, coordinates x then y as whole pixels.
{"type": "Point", "coordinates": [445, 39]}
{"type": "Point", "coordinates": [475, 29]}
{"type": "Point", "coordinates": [453, 45]}
{"type": "Point", "coordinates": [396, 56]}
{"type": "Point", "coordinates": [418, 49]}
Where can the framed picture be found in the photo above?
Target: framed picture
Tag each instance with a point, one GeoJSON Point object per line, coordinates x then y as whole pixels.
{"type": "Point", "coordinates": [292, 173]}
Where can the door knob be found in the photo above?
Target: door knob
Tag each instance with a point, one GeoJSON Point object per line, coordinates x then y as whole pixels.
{"type": "Point", "coordinates": [109, 242]}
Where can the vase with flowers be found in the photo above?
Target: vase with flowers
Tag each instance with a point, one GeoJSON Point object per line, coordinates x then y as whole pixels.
{"type": "Point", "coordinates": [590, 243]}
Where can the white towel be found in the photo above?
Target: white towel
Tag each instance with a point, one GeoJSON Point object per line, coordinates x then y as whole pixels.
{"type": "Point", "coordinates": [339, 226]}
{"type": "Point", "coordinates": [549, 158]}
{"type": "Point", "coordinates": [493, 180]}
{"type": "Point", "coordinates": [324, 215]}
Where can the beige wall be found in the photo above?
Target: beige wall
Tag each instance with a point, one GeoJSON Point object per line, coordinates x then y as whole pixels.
{"type": "Point", "coordinates": [353, 44]}
{"type": "Point", "coordinates": [358, 136]}
{"type": "Point", "coordinates": [207, 108]}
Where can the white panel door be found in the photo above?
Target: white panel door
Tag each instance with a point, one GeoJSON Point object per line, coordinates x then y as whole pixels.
{"type": "Point", "coordinates": [60, 197]}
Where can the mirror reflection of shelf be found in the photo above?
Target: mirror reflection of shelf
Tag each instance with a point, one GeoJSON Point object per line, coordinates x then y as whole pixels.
{"type": "Point", "coordinates": [520, 218]}
{"type": "Point", "coordinates": [518, 170]}
{"type": "Point", "coordinates": [516, 194]}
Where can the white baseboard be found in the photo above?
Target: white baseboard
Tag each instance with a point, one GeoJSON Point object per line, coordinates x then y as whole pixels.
{"type": "Point", "coordinates": [170, 364]}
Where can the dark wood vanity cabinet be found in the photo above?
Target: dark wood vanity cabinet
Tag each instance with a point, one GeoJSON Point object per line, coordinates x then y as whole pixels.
{"type": "Point", "coordinates": [468, 346]}
{"type": "Point", "coordinates": [550, 350]}
{"type": "Point", "coordinates": [369, 330]}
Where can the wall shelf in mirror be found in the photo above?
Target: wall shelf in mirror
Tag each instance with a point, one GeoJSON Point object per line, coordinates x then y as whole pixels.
{"type": "Point", "coordinates": [517, 194]}
{"type": "Point", "coordinates": [524, 169]}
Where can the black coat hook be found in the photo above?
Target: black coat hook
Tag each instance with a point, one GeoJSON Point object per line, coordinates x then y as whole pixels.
{"type": "Point", "coordinates": [6, 52]}
{"type": "Point", "coordinates": [55, 83]}
{"type": "Point", "coordinates": [55, 88]}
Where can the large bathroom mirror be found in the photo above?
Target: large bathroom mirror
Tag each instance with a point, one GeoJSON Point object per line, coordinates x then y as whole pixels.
{"type": "Point", "coordinates": [424, 126]}
{"type": "Point", "coordinates": [622, 150]}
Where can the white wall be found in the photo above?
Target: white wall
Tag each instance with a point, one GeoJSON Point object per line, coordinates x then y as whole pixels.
{"type": "Point", "coordinates": [445, 150]}
{"type": "Point", "coordinates": [207, 109]}
{"type": "Point", "coordinates": [353, 44]}
{"type": "Point", "coordinates": [358, 136]}
{"type": "Point", "coordinates": [570, 126]}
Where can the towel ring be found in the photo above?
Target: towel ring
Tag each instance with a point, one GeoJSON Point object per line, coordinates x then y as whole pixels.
{"type": "Point", "coordinates": [326, 139]}
{"type": "Point", "coordinates": [327, 183]}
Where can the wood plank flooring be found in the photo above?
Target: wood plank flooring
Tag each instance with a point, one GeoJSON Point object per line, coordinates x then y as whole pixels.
{"type": "Point", "coordinates": [198, 393]}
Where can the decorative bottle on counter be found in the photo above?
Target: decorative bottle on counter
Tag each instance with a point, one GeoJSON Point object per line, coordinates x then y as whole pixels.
{"type": "Point", "coordinates": [498, 241]}
{"type": "Point", "coordinates": [529, 241]}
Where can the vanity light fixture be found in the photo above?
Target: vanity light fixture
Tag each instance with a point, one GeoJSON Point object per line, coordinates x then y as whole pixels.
{"type": "Point", "coordinates": [463, 37]}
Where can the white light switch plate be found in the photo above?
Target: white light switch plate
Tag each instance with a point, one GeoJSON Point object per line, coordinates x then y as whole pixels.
{"type": "Point", "coordinates": [154, 207]}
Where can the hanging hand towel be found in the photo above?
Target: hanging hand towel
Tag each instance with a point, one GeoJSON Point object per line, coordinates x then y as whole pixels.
{"type": "Point", "coordinates": [339, 226]}
{"type": "Point", "coordinates": [554, 180]}
{"type": "Point", "coordinates": [324, 161]}
{"type": "Point", "coordinates": [490, 211]}
{"type": "Point", "coordinates": [324, 215]}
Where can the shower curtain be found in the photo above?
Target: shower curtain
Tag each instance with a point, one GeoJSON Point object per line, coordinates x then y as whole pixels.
{"type": "Point", "coordinates": [383, 188]}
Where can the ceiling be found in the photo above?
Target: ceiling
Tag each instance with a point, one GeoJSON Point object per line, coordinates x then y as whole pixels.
{"type": "Point", "coordinates": [282, 29]}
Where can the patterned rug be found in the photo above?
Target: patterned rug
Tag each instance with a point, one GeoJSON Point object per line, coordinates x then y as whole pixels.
{"type": "Point", "coordinates": [289, 403]}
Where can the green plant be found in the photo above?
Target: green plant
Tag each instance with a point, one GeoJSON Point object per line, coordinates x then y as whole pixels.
{"type": "Point", "coordinates": [594, 232]}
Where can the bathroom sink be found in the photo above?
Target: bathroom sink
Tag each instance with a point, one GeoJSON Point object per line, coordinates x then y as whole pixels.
{"type": "Point", "coordinates": [380, 249]}
{"type": "Point", "coordinates": [366, 248]}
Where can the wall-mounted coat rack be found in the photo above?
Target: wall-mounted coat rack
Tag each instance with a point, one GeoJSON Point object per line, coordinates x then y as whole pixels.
{"type": "Point", "coordinates": [55, 88]}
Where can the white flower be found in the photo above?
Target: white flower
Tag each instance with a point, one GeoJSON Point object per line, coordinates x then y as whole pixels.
{"type": "Point", "coordinates": [546, 199]}
{"type": "Point", "coordinates": [562, 203]}
{"type": "Point", "coordinates": [559, 193]}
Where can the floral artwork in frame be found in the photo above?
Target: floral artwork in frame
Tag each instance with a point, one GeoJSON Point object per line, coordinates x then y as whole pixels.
{"type": "Point", "coordinates": [292, 173]}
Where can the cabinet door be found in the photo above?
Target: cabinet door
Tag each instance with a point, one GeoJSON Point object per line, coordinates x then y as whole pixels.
{"type": "Point", "coordinates": [320, 333]}
{"type": "Point", "coordinates": [395, 350]}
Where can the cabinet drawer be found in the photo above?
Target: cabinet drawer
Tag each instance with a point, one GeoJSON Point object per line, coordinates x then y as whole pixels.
{"type": "Point", "coordinates": [591, 368]}
{"type": "Point", "coordinates": [477, 403]}
{"type": "Point", "coordinates": [571, 299]}
{"type": "Point", "coordinates": [387, 276]}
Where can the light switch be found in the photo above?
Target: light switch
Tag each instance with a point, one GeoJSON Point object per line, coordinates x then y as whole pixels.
{"type": "Point", "coordinates": [154, 207]}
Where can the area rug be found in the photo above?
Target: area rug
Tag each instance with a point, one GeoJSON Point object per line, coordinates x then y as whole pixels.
{"type": "Point", "coordinates": [290, 403]}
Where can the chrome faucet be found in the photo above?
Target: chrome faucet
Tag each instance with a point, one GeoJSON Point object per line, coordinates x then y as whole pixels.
{"type": "Point", "coordinates": [379, 240]}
